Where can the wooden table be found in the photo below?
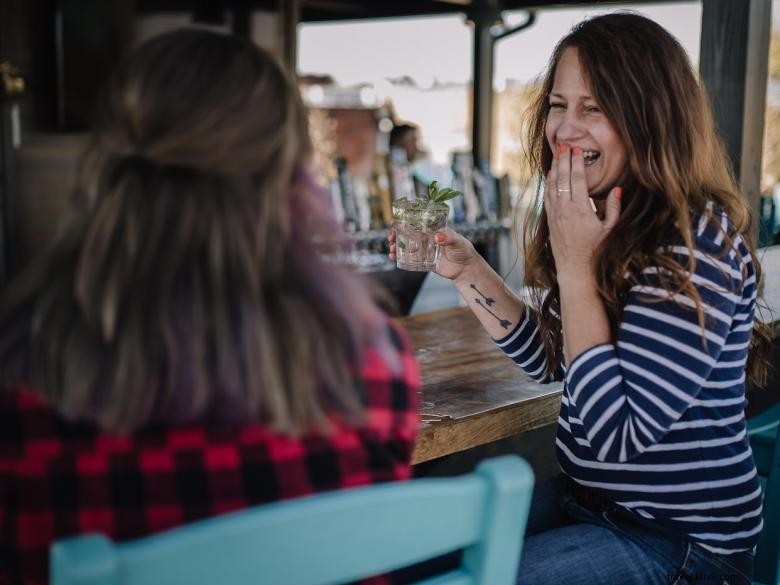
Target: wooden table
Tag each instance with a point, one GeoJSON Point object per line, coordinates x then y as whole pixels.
{"type": "Point", "coordinates": [479, 393]}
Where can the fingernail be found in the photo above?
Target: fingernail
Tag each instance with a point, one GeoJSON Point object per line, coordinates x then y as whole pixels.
{"type": "Point", "coordinates": [576, 150]}
{"type": "Point", "coordinates": [618, 193]}
{"type": "Point", "coordinates": [440, 238]}
{"type": "Point", "coordinates": [564, 148]}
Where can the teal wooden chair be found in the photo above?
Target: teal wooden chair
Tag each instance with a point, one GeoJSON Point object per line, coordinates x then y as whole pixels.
{"type": "Point", "coordinates": [329, 538]}
{"type": "Point", "coordinates": [764, 434]}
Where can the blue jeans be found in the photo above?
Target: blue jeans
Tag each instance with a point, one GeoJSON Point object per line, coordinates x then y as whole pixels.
{"type": "Point", "coordinates": [569, 543]}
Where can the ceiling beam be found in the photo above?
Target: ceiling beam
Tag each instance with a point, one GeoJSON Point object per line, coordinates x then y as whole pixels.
{"type": "Point", "coordinates": [340, 10]}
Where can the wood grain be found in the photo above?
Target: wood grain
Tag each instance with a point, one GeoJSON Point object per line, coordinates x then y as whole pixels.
{"type": "Point", "coordinates": [479, 393]}
{"type": "Point", "coordinates": [770, 286]}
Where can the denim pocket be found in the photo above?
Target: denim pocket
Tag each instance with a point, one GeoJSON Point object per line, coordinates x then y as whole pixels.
{"type": "Point", "coordinates": [672, 552]}
{"type": "Point", "coordinates": [577, 511]}
{"type": "Point", "coordinates": [714, 568]}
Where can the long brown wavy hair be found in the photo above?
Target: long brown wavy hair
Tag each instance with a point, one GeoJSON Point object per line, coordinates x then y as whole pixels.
{"type": "Point", "coordinates": [187, 283]}
{"type": "Point", "coordinates": [642, 80]}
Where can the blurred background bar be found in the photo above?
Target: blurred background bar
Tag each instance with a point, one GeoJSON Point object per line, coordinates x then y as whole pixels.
{"type": "Point", "coordinates": [459, 72]}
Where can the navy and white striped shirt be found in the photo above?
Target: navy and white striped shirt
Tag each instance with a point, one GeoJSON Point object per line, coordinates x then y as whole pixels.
{"type": "Point", "coordinates": [656, 423]}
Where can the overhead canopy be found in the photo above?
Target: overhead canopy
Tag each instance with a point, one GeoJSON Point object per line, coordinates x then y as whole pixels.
{"type": "Point", "coordinates": [327, 10]}
{"type": "Point", "coordinates": [318, 10]}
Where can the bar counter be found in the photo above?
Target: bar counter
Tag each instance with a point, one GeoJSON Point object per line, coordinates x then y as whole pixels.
{"type": "Point", "coordinates": [472, 393]}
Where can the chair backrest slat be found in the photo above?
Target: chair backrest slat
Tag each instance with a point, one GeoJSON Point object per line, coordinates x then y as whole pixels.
{"type": "Point", "coordinates": [328, 538]}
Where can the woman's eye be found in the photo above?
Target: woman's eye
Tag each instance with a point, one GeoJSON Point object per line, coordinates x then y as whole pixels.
{"type": "Point", "coordinates": [592, 109]}
{"type": "Point", "coordinates": [557, 106]}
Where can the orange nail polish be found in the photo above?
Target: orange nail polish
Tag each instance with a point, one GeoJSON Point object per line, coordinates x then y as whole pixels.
{"type": "Point", "coordinates": [618, 193]}
{"type": "Point", "coordinates": [564, 148]}
{"type": "Point", "coordinates": [440, 238]}
{"type": "Point", "coordinates": [576, 150]}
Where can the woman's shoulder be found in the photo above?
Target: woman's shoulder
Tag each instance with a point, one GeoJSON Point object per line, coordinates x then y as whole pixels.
{"type": "Point", "coordinates": [387, 356]}
{"type": "Point", "coordinates": [32, 432]}
{"type": "Point", "coordinates": [20, 410]}
{"type": "Point", "coordinates": [716, 241]}
{"type": "Point", "coordinates": [717, 236]}
{"type": "Point", "coordinates": [31, 428]}
{"type": "Point", "coordinates": [713, 253]}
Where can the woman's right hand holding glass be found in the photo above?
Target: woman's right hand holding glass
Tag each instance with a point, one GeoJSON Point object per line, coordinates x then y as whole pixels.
{"type": "Point", "coordinates": [457, 253]}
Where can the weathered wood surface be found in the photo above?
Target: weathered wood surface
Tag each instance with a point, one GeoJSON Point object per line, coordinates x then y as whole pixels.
{"type": "Point", "coordinates": [479, 394]}
{"type": "Point", "coordinates": [770, 287]}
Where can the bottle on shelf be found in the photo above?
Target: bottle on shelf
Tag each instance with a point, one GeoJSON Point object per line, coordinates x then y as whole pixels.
{"type": "Point", "coordinates": [401, 184]}
{"type": "Point", "coordinates": [335, 200]}
{"type": "Point", "coordinates": [360, 191]}
{"type": "Point", "coordinates": [348, 202]}
{"type": "Point", "coordinates": [504, 197]}
{"type": "Point", "coordinates": [487, 189]}
{"type": "Point", "coordinates": [382, 212]}
{"type": "Point", "coordinates": [327, 177]}
{"type": "Point", "coordinates": [463, 169]}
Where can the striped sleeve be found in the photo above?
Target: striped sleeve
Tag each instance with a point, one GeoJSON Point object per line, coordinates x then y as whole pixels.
{"type": "Point", "coordinates": [524, 345]}
{"type": "Point", "coordinates": [629, 395]}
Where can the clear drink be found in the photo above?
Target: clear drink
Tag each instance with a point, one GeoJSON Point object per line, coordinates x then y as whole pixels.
{"type": "Point", "coordinates": [416, 223]}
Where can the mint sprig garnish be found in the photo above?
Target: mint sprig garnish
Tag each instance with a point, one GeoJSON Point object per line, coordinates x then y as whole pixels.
{"type": "Point", "coordinates": [441, 195]}
{"type": "Point", "coordinates": [424, 214]}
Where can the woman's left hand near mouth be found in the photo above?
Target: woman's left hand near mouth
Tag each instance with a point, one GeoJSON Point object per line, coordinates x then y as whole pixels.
{"type": "Point", "coordinates": [575, 230]}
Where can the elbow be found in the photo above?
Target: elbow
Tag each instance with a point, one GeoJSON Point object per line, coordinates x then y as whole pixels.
{"type": "Point", "coordinates": [612, 455]}
{"type": "Point", "coordinates": [620, 446]}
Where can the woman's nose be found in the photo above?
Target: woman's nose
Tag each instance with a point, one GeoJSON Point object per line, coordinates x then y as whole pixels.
{"type": "Point", "coordinates": [569, 129]}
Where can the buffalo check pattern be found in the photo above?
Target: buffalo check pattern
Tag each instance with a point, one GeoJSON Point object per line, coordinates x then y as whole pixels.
{"type": "Point", "coordinates": [60, 479]}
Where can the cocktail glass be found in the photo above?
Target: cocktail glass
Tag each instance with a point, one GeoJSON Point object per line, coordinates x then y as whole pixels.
{"type": "Point", "coordinates": [416, 223]}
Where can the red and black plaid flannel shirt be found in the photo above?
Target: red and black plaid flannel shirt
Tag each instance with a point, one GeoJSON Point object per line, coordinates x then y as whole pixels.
{"type": "Point", "coordinates": [59, 479]}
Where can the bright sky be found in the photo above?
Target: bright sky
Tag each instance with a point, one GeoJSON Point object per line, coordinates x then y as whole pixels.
{"type": "Point", "coordinates": [440, 47]}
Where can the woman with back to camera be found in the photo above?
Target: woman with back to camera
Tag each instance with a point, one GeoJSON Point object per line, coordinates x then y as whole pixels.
{"type": "Point", "coordinates": [184, 350]}
{"type": "Point", "coordinates": [644, 308]}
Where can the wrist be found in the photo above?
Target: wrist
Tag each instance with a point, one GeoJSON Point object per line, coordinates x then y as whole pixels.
{"type": "Point", "coordinates": [471, 272]}
{"type": "Point", "coordinates": [576, 278]}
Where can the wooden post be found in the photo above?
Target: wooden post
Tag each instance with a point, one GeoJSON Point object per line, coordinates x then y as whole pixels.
{"type": "Point", "coordinates": [7, 155]}
{"type": "Point", "coordinates": [484, 15]}
{"type": "Point", "coordinates": [750, 172]}
{"type": "Point", "coordinates": [290, 15]}
{"type": "Point", "coordinates": [733, 64]}
{"type": "Point", "coordinates": [91, 37]}
{"type": "Point", "coordinates": [15, 63]}
{"type": "Point", "coordinates": [482, 104]}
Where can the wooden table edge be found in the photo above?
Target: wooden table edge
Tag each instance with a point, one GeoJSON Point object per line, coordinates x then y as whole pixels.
{"type": "Point", "coordinates": [451, 436]}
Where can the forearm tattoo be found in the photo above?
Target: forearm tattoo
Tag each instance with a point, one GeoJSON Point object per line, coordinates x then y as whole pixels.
{"type": "Point", "coordinates": [488, 302]}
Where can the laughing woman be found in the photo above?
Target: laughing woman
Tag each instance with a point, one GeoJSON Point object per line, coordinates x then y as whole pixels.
{"type": "Point", "coordinates": [645, 309]}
